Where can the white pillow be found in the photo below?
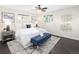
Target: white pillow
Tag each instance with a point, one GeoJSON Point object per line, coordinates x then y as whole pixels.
{"type": "Point", "coordinates": [41, 34]}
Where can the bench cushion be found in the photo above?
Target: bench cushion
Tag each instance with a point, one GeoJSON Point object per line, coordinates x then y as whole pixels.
{"type": "Point", "coordinates": [37, 40]}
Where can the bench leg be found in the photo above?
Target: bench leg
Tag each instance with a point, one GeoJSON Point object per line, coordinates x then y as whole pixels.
{"type": "Point", "coordinates": [34, 46]}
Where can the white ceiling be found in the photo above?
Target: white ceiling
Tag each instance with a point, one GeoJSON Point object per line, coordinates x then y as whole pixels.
{"type": "Point", "coordinates": [31, 8]}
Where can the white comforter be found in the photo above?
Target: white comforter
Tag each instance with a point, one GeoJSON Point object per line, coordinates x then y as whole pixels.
{"type": "Point", "coordinates": [24, 35]}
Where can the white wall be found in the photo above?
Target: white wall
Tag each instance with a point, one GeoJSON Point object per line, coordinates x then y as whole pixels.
{"type": "Point", "coordinates": [54, 27]}
{"type": "Point", "coordinates": [14, 25]}
{"type": "Point", "coordinates": [16, 12]}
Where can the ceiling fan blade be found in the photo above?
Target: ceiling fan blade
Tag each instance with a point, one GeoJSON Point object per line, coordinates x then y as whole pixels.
{"type": "Point", "coordinates": [44, 8]}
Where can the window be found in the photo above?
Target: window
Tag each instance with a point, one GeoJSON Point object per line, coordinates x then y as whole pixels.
{"type": "Point", "coordinates": [23, 20]}
{"type": "Point", "coordinates": [7, 18]}
{"type": "Point", "coordinates": [48, 18]}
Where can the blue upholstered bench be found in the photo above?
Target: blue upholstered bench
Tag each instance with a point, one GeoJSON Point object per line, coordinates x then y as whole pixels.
{"type": "Point", "coordinates": [37, 40]}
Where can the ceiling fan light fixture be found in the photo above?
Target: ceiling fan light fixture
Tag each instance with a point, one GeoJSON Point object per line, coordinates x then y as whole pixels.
{"type": "Point", "coordinates": [38, 10]}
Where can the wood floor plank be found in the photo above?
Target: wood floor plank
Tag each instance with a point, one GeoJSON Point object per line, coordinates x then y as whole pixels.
{"type": "Point", "coordinates": [4, 48]}
{"type": "Point", "coordinates": [66, 46]}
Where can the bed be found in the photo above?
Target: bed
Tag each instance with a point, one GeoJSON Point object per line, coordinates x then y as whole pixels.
{"type": "Point", "coordinates": [23, 36]}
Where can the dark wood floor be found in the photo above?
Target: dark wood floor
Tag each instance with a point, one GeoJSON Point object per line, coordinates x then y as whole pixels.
{"type": "Point", "coordinates": [4, 48]}
{"type": "Point", "coordinates": [66, 46]}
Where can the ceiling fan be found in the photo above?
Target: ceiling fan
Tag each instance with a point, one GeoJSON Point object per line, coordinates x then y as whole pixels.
{"type": "Point", "coordinates": [40, 8]}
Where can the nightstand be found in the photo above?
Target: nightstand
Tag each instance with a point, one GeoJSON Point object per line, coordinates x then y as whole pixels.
{"type": "Point", "coordinates": [8, 36]}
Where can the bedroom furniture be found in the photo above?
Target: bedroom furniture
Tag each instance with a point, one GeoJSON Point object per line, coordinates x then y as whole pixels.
{"type": "Point", "coordinates": [24, 35]}
{"type": "Point", "coordinates": [36, 25]}
{"type": "Point", "coordinates": [45, 48]}
{"type": "Point", "coordinates": [38, 40]}
{"type": "Point", "coordinates": [8, 36]}
{"type": "Point", "coordinates": [28, 25]}
{"type": "Point", "coordinates": [7, 28]}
